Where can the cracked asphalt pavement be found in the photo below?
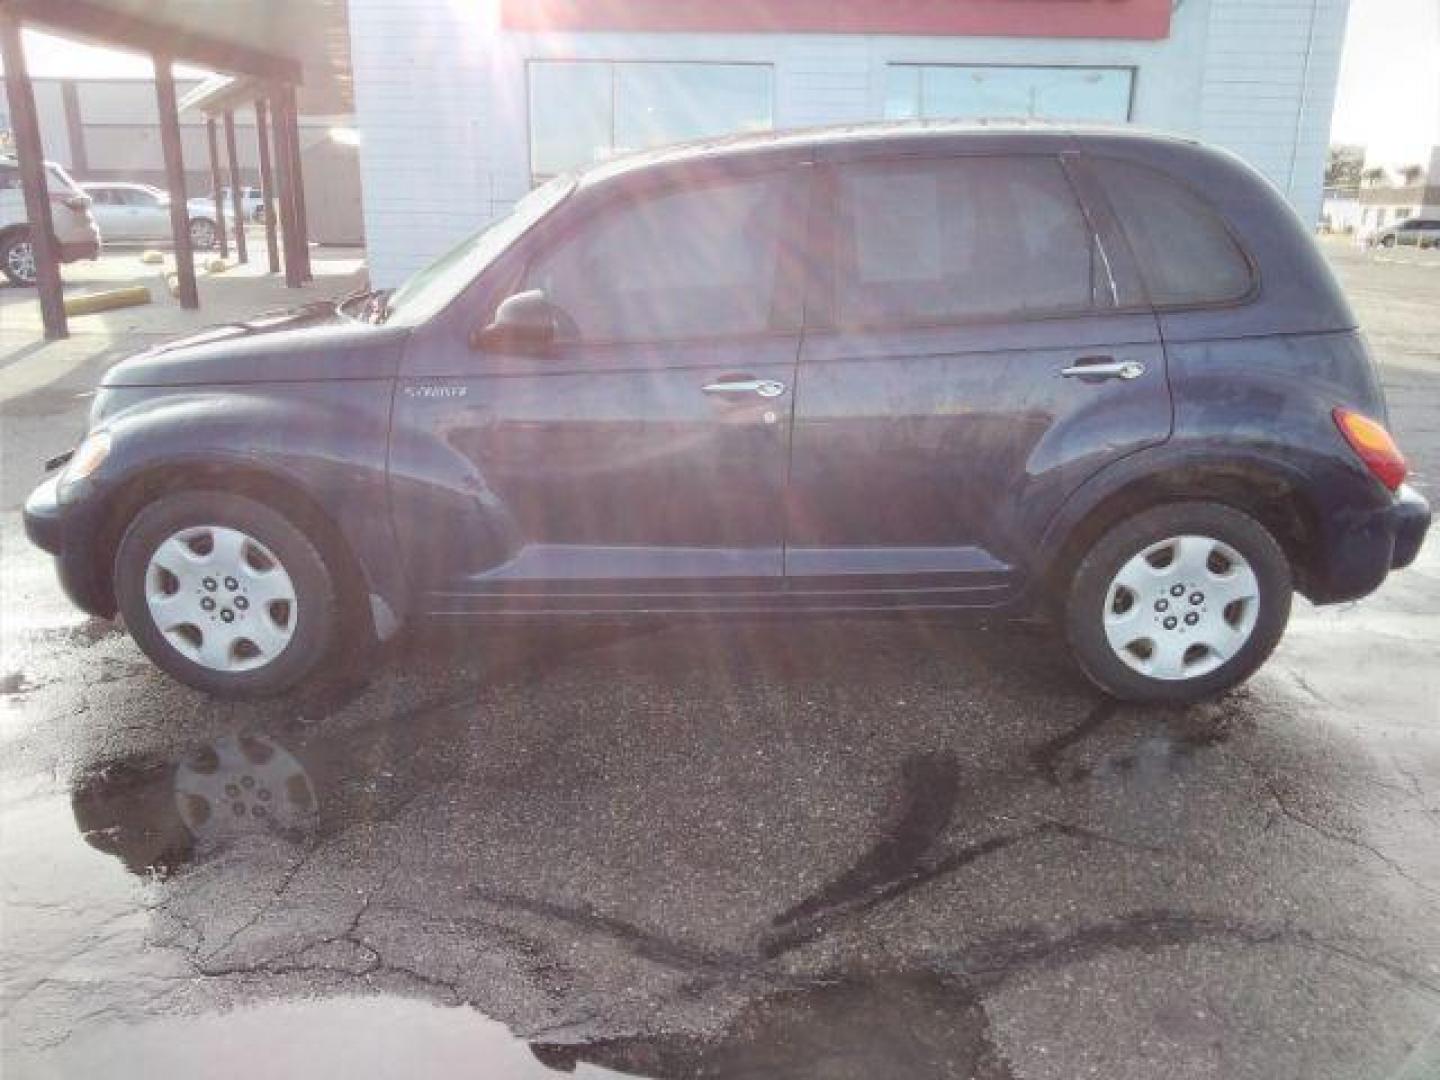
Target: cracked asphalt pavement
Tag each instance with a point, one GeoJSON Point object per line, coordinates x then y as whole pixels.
{"type": "Point", "coordinates": [866, 849]}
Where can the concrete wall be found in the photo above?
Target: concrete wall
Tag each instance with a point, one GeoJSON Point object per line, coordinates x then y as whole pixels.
{"type": "Point", "coordinates": [120, 132]}
{"type": "Point", "coordinates": [441, 96]}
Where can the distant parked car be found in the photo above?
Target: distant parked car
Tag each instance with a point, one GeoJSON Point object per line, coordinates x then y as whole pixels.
{"type": "Point", "coordinates": [202, 208]}
{"type": "Point", "coordinates": [75, 228]}
{"type": "Point", "coordinates": [252, 201]}
{"type": "Point", "coordinates": [1421, 232]}
{"type": "Point", "coordinates": [136, 213]}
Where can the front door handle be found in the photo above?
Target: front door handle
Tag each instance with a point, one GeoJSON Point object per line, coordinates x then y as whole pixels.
{"type": "Point", "coordinates": [766, 388]}
{"type": "Point", "coordinates": [1103, 367]}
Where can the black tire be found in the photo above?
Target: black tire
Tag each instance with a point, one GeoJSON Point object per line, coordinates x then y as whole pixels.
{"type": "Point", "coordinates": [316, 601]}
{"type": "Point", "coordinates": [1085, 609]}
{"type": "Point", "coordinates": [13, 245]}
{"type": "Point", "coordinates": [203, 234]}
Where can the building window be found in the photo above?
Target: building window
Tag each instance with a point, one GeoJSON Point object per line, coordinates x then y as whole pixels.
{"type": "Point", "coordinates": [935, 91]}
{"type": "Point", "coordinates": [586, 111]}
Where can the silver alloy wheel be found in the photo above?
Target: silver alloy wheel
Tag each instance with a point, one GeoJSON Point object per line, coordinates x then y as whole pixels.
{"type": "Point", "coordinates": [1181, 608]}
{"type": "Point", "coordinates": [221, 598]}
{"type": "Point", "coordinates": [21, 260]}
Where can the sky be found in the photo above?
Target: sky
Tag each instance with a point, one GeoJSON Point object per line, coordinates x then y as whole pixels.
{"type": "Point", "coordinates": [1388, 99]}
{"type": "Point", "coordinates": [1389, 95]}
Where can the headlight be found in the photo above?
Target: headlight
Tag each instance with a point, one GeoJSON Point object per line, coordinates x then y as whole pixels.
{"type": "Point", "coordinates": [88, 457]}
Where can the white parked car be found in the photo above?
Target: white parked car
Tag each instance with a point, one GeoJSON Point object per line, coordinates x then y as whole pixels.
{"type": "Point", "coordinates": [251, 201]}
{"type": "Point", "coordinates": [1421, 232]}
{"type": "Point", "coordinates": [75, 228]}
{"type": "Point", "coordinates": [202, 208]}
{"type": "Point", "coordinates": [139, 213]}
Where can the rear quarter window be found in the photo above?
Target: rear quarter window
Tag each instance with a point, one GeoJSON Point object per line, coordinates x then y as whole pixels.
{"type": "Point", "coordinates": [1187, 255]}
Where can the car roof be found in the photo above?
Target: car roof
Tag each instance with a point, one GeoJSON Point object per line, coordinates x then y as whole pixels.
{"type": "Point", "coordinates": [866, 139]}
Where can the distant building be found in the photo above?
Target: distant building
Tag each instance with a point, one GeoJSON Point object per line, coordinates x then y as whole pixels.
{"type": "Point", "coordinates": [1340, 210]}
{"type": "Point", "coordinates": [1381, 205]}
{"type": "Point", "coordinates": [108, 129]}
{"type": "Point", "coordinates": [462, 107]}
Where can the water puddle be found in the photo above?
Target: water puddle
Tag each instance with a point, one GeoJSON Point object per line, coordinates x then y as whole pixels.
{"type": "Point", "coordinates": [350, 1037]}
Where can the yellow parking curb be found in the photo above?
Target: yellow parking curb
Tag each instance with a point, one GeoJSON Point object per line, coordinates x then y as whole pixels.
{"type": "Point", "coordinates": [107, 300]}
{"type": "Point", "coordinates": [152, 257]}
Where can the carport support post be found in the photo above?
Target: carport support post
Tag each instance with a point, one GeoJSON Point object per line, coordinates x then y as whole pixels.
{"type": "Point", "coordinates": [31, 153]}
{"type": "Point", "coordinates": [297, 180]}
{"type": "Point", "coordinates": [237, 201]}
{"type": "Point", "coordinates": [267, 185]}
{"type": "Point", "coordinates": [285, 189]}
{"type": "Point", "coordinates": [215, 188]}
{"type": "Point", "coordinates": [175, 180]}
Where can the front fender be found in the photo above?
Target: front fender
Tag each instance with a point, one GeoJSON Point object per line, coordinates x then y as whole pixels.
{"type": "Point", "coordinates": [326, 442]}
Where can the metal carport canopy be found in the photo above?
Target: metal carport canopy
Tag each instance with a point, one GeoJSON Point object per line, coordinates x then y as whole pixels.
{"type": "Point", "coordinates": [286, 41]}
{"type": "Point", "coordinates": [279, 43]}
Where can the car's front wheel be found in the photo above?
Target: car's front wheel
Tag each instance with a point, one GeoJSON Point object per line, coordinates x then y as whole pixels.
{"type": "Point", "coordinates": [225, 594]}
{"type": "Point", "coordinates": [1178, 603]}
{"type": "Point", "coordinates": [17, 258]}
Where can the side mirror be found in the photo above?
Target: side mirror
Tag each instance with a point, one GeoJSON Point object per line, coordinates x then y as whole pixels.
{"type": "Point", "coordinates": [524, 322]}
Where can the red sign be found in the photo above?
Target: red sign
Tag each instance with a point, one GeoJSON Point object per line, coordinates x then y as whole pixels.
{"type": "Point", "coordinates": [1147, 19]}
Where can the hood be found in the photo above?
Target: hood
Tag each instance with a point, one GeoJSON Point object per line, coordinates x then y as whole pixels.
{"type": "Point", "coordinates": [306, 344]}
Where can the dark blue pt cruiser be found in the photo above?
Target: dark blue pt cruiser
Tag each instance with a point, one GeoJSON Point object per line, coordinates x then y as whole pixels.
{"type": "Point", "coordinates": [902, 369]}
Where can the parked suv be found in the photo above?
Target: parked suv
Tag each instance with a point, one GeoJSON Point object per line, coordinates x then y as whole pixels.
{"type": "Point", "coordinates": [75, 231]}
{"type": "Point", "coordinates": [913, 370]}
{"type": "Point", "coordinates": [1422, 232]}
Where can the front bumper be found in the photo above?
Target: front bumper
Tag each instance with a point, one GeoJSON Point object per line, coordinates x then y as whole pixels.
{"type": "Point", "coordinates": [67, 531]}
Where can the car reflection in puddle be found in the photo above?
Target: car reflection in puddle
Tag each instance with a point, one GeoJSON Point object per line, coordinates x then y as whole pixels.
{"type": "Point", "coordinates": [157, 817]}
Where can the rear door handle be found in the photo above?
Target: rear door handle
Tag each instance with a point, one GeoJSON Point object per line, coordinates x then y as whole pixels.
{"type": "Point", "coordinates": [1097, 368]}
{"type": "Point", "coordinates": [766, 388]}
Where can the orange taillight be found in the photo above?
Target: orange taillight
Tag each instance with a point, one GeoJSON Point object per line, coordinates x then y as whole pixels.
{"type": "Point", "coordinates": [1374, 445]}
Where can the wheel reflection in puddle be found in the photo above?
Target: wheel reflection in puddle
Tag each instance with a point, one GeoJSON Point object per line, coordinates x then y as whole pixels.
{"type": "Point", "coordinates": [243, 784]}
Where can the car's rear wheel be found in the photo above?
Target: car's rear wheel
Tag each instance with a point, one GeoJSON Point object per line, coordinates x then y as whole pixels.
{"type": "Point", "coordinates": [202, 233]}
{"type": "Point", "coordinates": [17, 258]}
{"type": "Point", "coordinates": [1178, 603]}
{"type": "Point", "coordinates": [225, 594]}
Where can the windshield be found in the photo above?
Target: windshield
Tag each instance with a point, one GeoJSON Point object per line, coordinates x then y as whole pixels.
{"type": "Point", "coordinates": [61, 180]}
{"type": "Point", "coordinates": [432, 288]}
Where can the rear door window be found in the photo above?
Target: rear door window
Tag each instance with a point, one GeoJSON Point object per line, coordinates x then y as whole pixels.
{"type": "Point", "coordinates": [1186, 253]}
{"type": "Point", "coordinates": [936, 241]}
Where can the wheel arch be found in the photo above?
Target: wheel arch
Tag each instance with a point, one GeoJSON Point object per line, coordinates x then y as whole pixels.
{"type": "Point", "coordinates": [1270, 492]}
{"type": "Point", "coordinates": [280, 493]}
